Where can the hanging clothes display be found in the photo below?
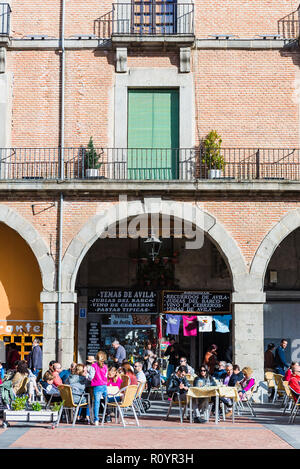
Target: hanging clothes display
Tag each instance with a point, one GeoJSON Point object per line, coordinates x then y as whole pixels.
{"type": "Point", "coordinates": [189, 325]}
{"type": "Point", "coordinates": [205, 323]}
{"type": "Point", "coordinates": [173, 324]}
{"type": "Point", "coordinates": [222, 323]}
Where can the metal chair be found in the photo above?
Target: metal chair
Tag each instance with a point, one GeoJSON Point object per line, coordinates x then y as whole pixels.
{"type": "Point", "coordinates": [138, 402]}
{"type": "Point", "coordinates": [127, 395]}
{"type": "Point", "coordinates": [68, 402]}
{"type": "Point", "coordinates": [288, 398]}
{"type": "Point", "coordinates": [178, 402]}
{"type": "Point", "coordinates": [295, 406]}
{"type": "Point", "coordinates": [279, 388]}
{"type": "Point", "coordinates": [248, 398]}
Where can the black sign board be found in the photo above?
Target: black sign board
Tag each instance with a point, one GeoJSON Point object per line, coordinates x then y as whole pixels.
{"type": "Point", "coordinates": [195, 302]}
{"type": "Point", "coordinates": [93, 338]}
{"type": "Point", "coordinates": [123, 302]}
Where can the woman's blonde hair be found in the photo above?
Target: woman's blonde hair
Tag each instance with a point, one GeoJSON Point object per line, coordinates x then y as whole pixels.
{"type": "Point", "coordinates": [101, 357]}
{"type": "Point", "coordinates": [247, 371]}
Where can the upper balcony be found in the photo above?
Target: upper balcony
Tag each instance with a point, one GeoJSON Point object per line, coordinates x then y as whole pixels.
{"type": "Point", "coordinates": [148, 21]}
{"type": "Point", "coordinates": [5, 12]}
{"type": "Point", "coordinates": [157, 169]}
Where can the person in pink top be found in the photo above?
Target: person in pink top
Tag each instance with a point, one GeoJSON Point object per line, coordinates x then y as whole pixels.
{"type": "Point", "coordinates": [99, 383]}
{"type": "Point", "coordinates": [113, 378]}
{"type": "Point", "coordinates": [247, 383]}
{"type": "Point", "coordinates": [57, 381]}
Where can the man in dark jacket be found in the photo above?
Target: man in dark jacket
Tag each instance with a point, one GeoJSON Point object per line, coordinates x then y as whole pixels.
{"type": "Point", "coordinates": [280, 360]}
{"type": "Point", "coordinates": [178, 383]}
{"type": "Point", "coordinates": [35, 361]}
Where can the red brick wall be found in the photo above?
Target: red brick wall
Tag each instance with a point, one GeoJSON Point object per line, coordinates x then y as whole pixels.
{"type": "Point", "coordinates": [245, 18]}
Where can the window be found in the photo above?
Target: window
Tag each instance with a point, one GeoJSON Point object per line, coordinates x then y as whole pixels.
{"type": "Point", "coordinates": [154, 17]}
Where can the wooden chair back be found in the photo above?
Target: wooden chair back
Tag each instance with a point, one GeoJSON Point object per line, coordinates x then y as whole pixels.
{"type": "Point", "coordinates": [279, 382]}
{"type": "Point", "coordinates": [66, 395]}
{"type": "Point", "coordinates": [269, 377]}
{"type": "Point", "coordinates": [129, 396]}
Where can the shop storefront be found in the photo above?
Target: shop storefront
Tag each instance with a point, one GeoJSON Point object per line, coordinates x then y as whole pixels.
{"type": "Point", "coordinates": [133, 317]}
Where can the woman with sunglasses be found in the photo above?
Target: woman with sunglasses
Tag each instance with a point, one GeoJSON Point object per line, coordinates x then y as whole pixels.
{"type": "Point", "coordinates": [200, 405]}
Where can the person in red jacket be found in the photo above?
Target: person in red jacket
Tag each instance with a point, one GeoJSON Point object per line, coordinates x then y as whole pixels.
{"type": "Point", "coordinates": [290, 371]}
{"type": "Point", "coordinates": [294, 382]}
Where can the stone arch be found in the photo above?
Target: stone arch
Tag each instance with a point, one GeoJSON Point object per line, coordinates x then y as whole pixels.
{"type": "Point", "coordinates": [11, 218]}
{"type": "Point", "coordinates": [264, 253]}
{"type": "Point", "coordinates": [91, 231]}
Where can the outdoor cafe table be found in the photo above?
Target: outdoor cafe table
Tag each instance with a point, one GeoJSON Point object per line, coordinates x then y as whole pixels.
{"type": "Point", "coordinates": [212, 391]}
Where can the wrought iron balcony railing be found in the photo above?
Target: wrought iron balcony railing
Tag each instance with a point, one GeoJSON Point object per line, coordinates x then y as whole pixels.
{"type": "Point", "coordinates": [288, 27]}
{"type": "Point", "coordinates": [5, 12]}
{"type": "Point", "coordinates": [147, 18]}
{"type": "Point", "coordinates": [148, 164]}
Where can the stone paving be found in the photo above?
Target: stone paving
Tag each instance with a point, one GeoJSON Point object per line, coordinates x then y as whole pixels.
{"type": "Point", "coordinates": [269, 430]}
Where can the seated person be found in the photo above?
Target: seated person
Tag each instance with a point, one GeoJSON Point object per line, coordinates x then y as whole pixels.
{"type": "Point", "coordinates": [57, 381]}
{"type": "Point", "coordinates": [48, 387]}
{"type": "Point", "coordinates": [201, 405]}
{"type": "Point", "coordinates": [140, 375]}
{"type": "Point", "coordinates": [247, 383]}
{"type": "Point", "coordinates": [18, 378]}
{"type": "Point", "coordinates": [126, 370]}
{"type": "Point", "coordinates": [290, 371]}
{"type": "Point", "coordinates": [154, 376]}
{"type": "Point", "coordinates": [78, 381]}
{"type": "Point", "coordinates": [64, 374]}
{"type": "Point", "coordinates": [183, 362]}
{"type": "Point", "coordinates": [220, 371]}
{"type": "Point", "coordinates": [237, 376]}
{"type": "Point", "coordinates": [294, 382]}
{"type": "Point", "coordinates": [178, 383]}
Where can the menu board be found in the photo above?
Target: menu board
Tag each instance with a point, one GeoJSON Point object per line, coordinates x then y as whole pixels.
{"type": "Point", "coordinates": [93, 338]}
{"type": "Point", "coordinates": [195, 302]}
{"type": "Point", "coordinates": [123, 302]}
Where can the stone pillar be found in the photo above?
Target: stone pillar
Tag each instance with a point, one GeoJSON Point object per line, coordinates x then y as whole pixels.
{"type": "Point", "coordinates": [50, 327]}
{"type": "Point", "coordinates": [248, 334]}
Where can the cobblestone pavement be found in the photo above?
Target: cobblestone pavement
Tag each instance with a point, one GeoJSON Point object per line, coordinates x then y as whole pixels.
{"type": "Point", "coordinates": [269, 430]}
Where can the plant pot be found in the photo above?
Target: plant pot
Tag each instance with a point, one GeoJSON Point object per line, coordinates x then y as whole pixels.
{"type": "Point", "coordinates": [91, 173]}
{"type": "Point", "coordinates": [30, 416]}
{"type": "Point", "coordinates": [214, 173]}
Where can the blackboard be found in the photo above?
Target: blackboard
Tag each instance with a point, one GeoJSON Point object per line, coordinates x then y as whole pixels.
{"type": "Point", "coordinates": [123, 302]}
{"type": "Point", "coordinates": [195, 302]}
{"type": "Point", "coordinates": [93, 338]}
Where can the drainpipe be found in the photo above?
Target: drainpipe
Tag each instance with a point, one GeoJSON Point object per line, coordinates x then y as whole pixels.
{"type": "Point", "coordinates": [61, 201]}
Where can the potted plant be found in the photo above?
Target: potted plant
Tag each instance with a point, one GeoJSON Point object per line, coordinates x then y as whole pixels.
{"type": "Point", "coordinates": [212, 157]}
{"type": "Point", "coordinates": [91, 160]}
{"type": "Point", "coordinates": [21, 412]}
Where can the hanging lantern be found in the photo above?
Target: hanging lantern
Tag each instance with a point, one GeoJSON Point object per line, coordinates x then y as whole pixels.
{"type": "Point", "coordinates": [153, 245]}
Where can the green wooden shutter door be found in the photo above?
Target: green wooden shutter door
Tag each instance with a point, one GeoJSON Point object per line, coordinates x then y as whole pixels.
{"type": "Point", "coordinates": [153, 134]}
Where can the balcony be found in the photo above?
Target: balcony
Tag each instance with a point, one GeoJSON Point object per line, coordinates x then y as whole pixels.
{"type": "Point", "coordinates": [5, 12]}
{"type": "Point", "coordinates": [288, 27]}
{"type": "Point", "coordinates": [148, 21]}
{"type": "Point", "coordinates": [147, 164]}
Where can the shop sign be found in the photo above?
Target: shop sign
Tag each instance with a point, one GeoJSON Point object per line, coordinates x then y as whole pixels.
{"type": "Point", "coordinates": [20, 327]}
{"type": "Point", "coordinates": [196, 302]}
{"type": "Point", "coordinates": [123, 302]}
{"type": "Point", "coordinates": [93, 338]}
{"type": "Point", "coordinates": [117, 319]}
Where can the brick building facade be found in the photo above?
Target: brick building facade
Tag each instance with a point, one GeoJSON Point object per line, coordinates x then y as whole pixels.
{"type": "Point", "coordinates": [66, 75]}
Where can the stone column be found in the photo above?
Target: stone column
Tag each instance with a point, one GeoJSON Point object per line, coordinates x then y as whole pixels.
{"type": "Point", "coordinates": [50, 327]}
{"type": "Point", "coordinates": [82, 330]}
{"type": "Point", "coordinates": [248, 333]}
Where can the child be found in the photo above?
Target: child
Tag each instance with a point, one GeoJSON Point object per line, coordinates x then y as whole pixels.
{"type": "Point", "coordinates": [48, 386]}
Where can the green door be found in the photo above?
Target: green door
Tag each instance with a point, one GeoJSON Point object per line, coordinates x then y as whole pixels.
{"type": "Point", "coordinates": [153, 134]}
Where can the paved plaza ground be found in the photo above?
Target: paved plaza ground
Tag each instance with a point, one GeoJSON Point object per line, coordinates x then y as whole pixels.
{"type": "Point", "coordinates": [268, 430]}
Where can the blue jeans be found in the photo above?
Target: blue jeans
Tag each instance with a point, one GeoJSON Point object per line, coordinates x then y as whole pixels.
{"type": "Point", "coordinates": [99, 392]}
{"type": "Point", "coordinates": [170, 370]}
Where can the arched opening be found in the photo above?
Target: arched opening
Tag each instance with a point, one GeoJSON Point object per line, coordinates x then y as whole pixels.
{"type": "Point", "coordinates": [121, 292]}
{"type": "Point", "coordinates": [21, 316]}
{"type": "Point", "coordinates": [282, 287]}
